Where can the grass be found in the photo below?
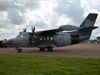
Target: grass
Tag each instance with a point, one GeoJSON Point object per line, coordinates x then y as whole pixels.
{"type": "Point", "coordinates": [45, 65]}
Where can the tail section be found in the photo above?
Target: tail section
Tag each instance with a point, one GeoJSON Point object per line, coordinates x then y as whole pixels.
{"type": "Point", "coordinates": [89, 21]}
{"type": "Point", "coordinates": [87, 26]}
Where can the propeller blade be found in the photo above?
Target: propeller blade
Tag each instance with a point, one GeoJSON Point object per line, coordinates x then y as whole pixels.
{"type": "Point", "coordinates": [24, 30]}
{"type": "Point", "coordinates": [33, 30]}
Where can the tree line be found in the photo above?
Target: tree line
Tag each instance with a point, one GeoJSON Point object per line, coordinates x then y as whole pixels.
{"type": "Point", "coordinates": [95, 40]}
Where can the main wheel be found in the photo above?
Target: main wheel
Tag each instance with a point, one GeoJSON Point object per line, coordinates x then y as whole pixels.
{"type": "Point", "coordinates": [19, 50]}
{"type": "Point", "coordinates": [42, 49]}
{"type": "Point", "coordinates": [50, 49]}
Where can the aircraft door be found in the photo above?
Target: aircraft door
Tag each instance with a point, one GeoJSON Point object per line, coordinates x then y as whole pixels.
{"type": "Point", "coordinates": [60, 40]}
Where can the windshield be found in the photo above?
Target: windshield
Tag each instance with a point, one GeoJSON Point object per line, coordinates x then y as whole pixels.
{"type": "Point", "coordinates": [22, 35]}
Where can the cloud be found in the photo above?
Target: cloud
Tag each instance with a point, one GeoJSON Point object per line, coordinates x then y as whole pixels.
{"type": "Point", "coordinates": [32, 5]}
{"type": "Point", "coordinates": [93, 4]}
{"type": "Point", "coordinates": [6, 4]}
{"type": "Point", "coordinates": [44, 14]}
{"type": "Point", "coordinates": [40, 24]}
{"type": "Point", "coordinates": [17, 4]}
{"type": "Point", "coordinates": [72, 9]}
{"type": "Point", "coordinates": [15, 16]}
{"type": "Point", "coordinates": [12, 16]}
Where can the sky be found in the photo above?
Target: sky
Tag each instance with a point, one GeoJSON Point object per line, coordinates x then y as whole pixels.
{"type": "Point", "coordinates": [15, 15]}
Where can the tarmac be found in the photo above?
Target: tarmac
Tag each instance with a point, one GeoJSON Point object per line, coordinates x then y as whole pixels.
{"type": "Point", "coordinates": [88, 50]}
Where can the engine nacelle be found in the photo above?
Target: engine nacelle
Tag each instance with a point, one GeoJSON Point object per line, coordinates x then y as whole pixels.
{"type": "Point", "coordinates": [68, 27]}
{"type": "Point", "coordinates": [62, 39]}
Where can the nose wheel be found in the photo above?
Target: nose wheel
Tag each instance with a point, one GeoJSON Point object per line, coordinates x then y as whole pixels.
{"type": "Point", "coordinates": [19, 50]}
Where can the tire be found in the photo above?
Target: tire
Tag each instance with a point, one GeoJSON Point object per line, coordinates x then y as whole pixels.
{"type": "Point", "coordinates": [19, 50]}
{"type": "Point", "coordinates": [50, 49]}
{"type": "Point", "coordinates": [42, 49]}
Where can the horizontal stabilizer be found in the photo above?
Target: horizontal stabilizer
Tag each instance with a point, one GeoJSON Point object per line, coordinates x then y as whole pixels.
{"type": "Point", "coordinates": [88, 28]}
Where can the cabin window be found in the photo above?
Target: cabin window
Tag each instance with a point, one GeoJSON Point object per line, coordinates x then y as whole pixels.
{"type": "Point", "coordinates": [22, 35]}
{"type": "Point", "coordinates": [25, 35]}
{"type": "Point", "coordinates": [44, 39]}
{"type": "Point", "coordinates": [48, 38]}
{"type": "Point", "coordinates": [51, 38]}
{"type": "Point", "coordinates": [40, 38]}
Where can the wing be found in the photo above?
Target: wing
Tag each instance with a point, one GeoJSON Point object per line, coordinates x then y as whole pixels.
{"type": "Point", "coordinates": [61, 28]}
{"type": "Point", "coordinates": [47, 32]}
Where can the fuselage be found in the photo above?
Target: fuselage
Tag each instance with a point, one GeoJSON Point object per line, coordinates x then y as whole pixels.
{"type": "Point", "coordinates": [24, 39]}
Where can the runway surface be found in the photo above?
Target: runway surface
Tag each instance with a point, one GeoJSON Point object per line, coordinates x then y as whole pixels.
{"type": "Point", "coordinates": [89, 50]}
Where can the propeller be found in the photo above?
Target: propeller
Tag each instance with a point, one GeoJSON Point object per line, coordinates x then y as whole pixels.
{"type": "Point", "coordinates": [33, 30]}
{"type": "Point", "coordinates": [24, 30]}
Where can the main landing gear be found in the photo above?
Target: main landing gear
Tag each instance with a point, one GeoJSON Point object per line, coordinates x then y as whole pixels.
{"type": "Point", "coordinates": [42, 49]}
{"type": "Point", "coordinates": [49, 49]}
{"type": "Point", "coordinates": [18, 49]}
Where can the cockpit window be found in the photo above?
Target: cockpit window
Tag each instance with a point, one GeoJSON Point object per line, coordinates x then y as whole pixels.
{"type": "Point", "coordinates": [22, 35]}
{"type": "Point", "coordinates": [18, 36]}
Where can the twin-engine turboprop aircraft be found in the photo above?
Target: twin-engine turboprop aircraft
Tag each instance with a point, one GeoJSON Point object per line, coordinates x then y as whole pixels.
{"type": "Point", "coordinates": [54, 37]}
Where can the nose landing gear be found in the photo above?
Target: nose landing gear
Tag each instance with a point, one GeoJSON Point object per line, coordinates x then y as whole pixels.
{"type": "Point", "coordinates": [18, 49]}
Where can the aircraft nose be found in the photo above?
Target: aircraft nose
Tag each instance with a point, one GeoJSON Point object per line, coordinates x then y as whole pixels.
{"type": "Point", "coordinates": [9, 42]}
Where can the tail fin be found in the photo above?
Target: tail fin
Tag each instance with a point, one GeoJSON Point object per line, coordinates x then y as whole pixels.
{"type": "Point", "coordinates": [89, 21]}
{"type": "Point", "coordinates": [87, 26]}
